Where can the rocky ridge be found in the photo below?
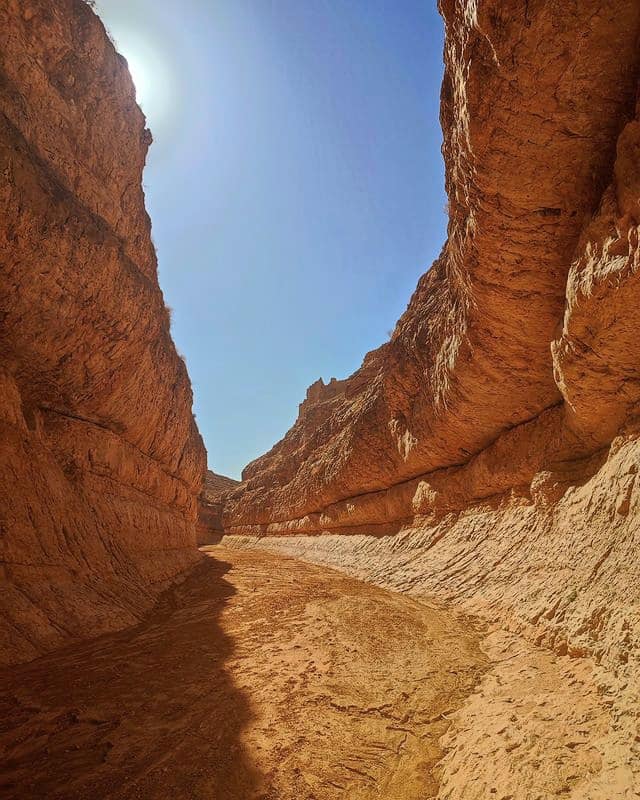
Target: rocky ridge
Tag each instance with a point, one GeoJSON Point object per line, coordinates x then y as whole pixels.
{"type": "Point", "coordinates": [511, 381]}
{"type": "Point", "coordinates": [539, 139]}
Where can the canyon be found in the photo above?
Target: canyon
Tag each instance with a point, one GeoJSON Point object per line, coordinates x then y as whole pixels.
{"type": "Point", "coordinates": [429, 586]}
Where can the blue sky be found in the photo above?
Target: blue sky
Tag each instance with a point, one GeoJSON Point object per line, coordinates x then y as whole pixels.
{"type": "Point", "coordinates": [295, 187]}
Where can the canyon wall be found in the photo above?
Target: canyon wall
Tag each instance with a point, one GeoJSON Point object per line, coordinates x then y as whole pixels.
{"type": "Point", "coordinates": [488, 453]}
{"type": "Point", "coordinates": [102, 462]}
{"type": "Point", "coordinates": [211, 506]}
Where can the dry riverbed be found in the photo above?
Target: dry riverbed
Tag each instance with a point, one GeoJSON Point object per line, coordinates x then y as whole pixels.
{"type": "Point", "coordinates": [259, 677]}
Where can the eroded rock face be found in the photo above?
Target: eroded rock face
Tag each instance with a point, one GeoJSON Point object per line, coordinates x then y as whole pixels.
{"type": "Point", "coordinates": [535, 100]}
{"type": "Point", "coordinates": [497, 434]}
{"type": "Point", "coordinates": [482, 384]}
{"type": "Point", "coordinates": [101, 462]}
{"type": "Point", "coordinates": [211, 506]}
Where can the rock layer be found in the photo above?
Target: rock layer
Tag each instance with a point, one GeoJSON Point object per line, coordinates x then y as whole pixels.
{"type": "Point", "coordinates": [101, 458]}
{"type": "Point", "coordinates": [514, 366]}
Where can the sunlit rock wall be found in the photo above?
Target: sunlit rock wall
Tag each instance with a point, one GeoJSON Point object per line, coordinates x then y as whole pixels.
{"type": "Point", "coordinates": [489, 452]}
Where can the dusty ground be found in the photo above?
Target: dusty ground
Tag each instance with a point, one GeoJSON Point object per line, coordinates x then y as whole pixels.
{"type": "Point", "coordinates": [538, 725]}
{"type": "Point", "coordinates": [260, 677]}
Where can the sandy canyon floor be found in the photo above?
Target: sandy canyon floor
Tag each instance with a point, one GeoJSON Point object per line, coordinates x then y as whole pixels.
{"type": "Point", "coordinates": [266, 677]}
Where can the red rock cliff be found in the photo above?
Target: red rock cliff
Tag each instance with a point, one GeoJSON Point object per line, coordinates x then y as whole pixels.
{"type": "Point", "coordinates": [101, 458]}
{"type": "Point", "coordinates": [538, 103]}
{"type": "Point", "coordinates": [211, 506]}
{"type": "Point", "coordinates": [497, 435]}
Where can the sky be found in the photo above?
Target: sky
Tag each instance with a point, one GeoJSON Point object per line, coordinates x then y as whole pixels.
{"type": "Point", "coordinates": [295, 187]}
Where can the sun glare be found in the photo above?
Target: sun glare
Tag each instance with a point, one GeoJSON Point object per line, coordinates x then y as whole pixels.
{"type": "Point", "coordinates": [151, 76]}
{"type": "Point", "coordinates": [141, 78]}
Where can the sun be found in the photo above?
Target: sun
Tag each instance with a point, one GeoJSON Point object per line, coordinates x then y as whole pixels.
{"type": "Point", "coordinates": [152, 77]}
{"type": "Point", "coordinates": [142, 80]}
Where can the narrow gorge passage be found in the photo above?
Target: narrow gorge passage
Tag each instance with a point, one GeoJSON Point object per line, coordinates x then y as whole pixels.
{"type": "Point", "coordinates": [259, 677]}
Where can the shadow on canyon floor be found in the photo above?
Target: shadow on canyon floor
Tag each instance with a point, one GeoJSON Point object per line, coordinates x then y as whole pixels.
{"type": "Point", "coordinates": [261, 677]}
{"type": "Point", "coordinates": [148, 712]}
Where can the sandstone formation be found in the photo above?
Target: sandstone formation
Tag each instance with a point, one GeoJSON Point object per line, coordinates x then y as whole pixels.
{"type": "Point", "coordinates": [513, 374]}
{"type": "Point", "coordinates": [211, 506]}
{"type": "Point", "coordinates": [484, 460]}
{"type": "Point", "coordinates": [488, 454]}
{"type": "Point", "coordinates": [536, 98]}
{"type": "Point", "coordinates": [101, 462]}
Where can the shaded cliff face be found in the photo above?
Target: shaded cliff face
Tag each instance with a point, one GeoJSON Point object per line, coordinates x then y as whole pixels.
{"type": "Point", "coordinates": [538, 102]}
{"type": "Point", "coordinates": [101, 458]}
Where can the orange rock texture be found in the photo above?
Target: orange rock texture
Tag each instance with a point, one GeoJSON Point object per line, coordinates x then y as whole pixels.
{"type": "Point", "coordinates": [540, 145]}
{"type": "Point", "coordinates": [102, 461]}
{"type": "Point", "coordinates": [488, 454]}
{"type": "Point", "coordinates": [211, 506]}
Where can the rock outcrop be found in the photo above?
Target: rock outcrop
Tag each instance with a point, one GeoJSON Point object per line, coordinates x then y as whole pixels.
{"type": "Point", "coordinates": [102, 462]}
{"type": "Point", "coordinates": [497, 435]}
